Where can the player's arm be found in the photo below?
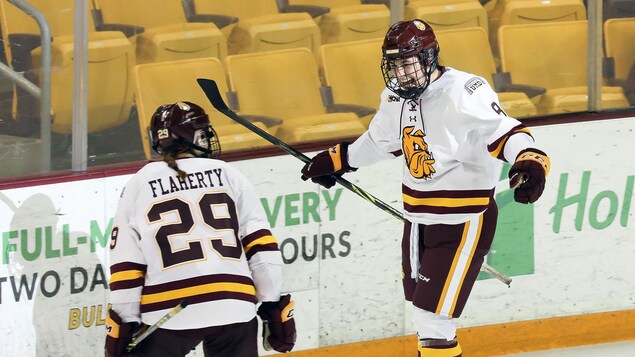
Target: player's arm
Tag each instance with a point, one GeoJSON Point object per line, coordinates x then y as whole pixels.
{"type": "Point", "coordinates": [265, 262]}
{"type": "Point", "coordinates": [507, 139]}
{"type": "Point", "coordinates": [530, 165]}
{"type": "Point", "coordinates": [372, 146]}
{"type": "Point", "coordinates": [127, 273]}
{"type": "Point", "coordinates": [259, 244]}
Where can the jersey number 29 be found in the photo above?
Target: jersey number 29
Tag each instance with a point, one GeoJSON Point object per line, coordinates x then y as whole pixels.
{"type": "Point", "coordinates": [195, 249]}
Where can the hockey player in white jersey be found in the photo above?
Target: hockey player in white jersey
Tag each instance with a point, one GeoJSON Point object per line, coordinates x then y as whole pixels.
{"type": "Point", "coordinates": [191, 227]}
{"type": "Point", "coordinates": [453, 136]}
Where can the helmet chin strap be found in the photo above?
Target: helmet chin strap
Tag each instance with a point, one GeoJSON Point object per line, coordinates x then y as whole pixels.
{"type": "Point", "coordinates": [427, 71]}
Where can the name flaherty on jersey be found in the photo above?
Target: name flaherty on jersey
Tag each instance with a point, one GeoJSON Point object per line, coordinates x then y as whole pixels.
{"type": "Point", "coordinates": [452, 139]}
{"type": "Point", "coordinates": [172, 184]}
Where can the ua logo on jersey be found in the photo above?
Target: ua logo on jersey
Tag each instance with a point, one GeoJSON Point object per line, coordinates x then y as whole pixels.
{"type": "Point", "coordinates": [419, 160]}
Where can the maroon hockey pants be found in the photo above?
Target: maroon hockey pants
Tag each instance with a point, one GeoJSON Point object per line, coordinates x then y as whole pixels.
{"type": "Point", "coordinates": [450, 257]}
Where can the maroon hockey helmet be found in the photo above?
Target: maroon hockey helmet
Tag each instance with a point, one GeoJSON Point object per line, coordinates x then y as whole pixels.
{"type": "Point", "coordinates": [408, 43]}
{"type": "Point", "coordinates": [183, 126]}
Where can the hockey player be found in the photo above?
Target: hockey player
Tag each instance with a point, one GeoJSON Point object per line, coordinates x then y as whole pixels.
{"type": "Point", "coordinates": [192, 228]}
{"type": "Point", "coordinates": [453, 136]}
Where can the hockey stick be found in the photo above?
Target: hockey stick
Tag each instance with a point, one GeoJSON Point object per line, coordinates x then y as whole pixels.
{"type": "Point", "coordinates": [213, 94]}
{"type": "Point", "coordinates": [178, 308]}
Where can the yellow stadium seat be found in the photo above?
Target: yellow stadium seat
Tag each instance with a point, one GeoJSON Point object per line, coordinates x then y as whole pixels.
{"type": "Point", "coordinates": [167, 82]}
{"type": "Point", "coordinates": [553, 56]}
{"type": "Point", "coordinates": [225, 23]}
{"type": "Point", "coordinates": [448, 14]}
{"type": "Point", "coordinates": [110, 60]}
{"type": "Point", "coordinates": [285, 84]}
{"type": "Point", "coordinates": [468, 50]}
{"type": "Point", "coordinates": [619, 37]}
{"type": "Point", "coordinates": [350, 20]}
{"type": "Point", "coordinates": [531, 11]}
{"type": "Point", "coordinates": [261, 27]}
{"type": "Point", "coordinates": [514, 12]}
{"type": "Point", "coordinates": [166, 36]}
{"type": "Point", "coordinates": [619, 43]}
{"type": "Point", "coordinates": [352, 71]}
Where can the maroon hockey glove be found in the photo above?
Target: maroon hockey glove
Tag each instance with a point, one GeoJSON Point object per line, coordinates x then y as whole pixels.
{"type": "Point", "coordinates": [327, 181]}
{"type": "Point", "coordinates": [278, 324]}
{"type": "Point", "coordinates": [527, 175]}
{"type": "Point", "coordinates": [118, 335]}
{"type": "Point", "coordinates": [323, 166]}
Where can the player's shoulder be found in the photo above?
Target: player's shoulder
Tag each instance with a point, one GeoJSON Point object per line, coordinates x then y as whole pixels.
{"type": "Point", "coordinates": [466, 83]}
{"type": "Point", "coordinates": [150, 168]}
{"type": "Point", "coordinates": [205, 165]}
{"type": "Point", "coordinates": [201, 162]}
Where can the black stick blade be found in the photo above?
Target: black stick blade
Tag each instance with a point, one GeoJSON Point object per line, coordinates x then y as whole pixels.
{"type": "Point", "coordinates": [210, 88]}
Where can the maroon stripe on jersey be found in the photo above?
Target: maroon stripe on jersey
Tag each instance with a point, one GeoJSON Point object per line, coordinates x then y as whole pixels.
{"type": "Point", "coordinates": [134, 268]}
{"type": "Point", "coordinates": [197, 299]}
{"type": "Point", "coordinates": [119, 267]}
{"type": "Point", "coordinates": [250, 238]}
{"type": "Point", "coordinates": [127, 284]}
{"type": "Point", "coordinates": [499, 144]}
{"type": "Point", "coordinates": [255, 235]}
{"type": "Point", "coordinates": [397, 153]}
{"type": "Point", "coordinates": [444, 210]}
{"type": "Point", "coordinates": [262, 248]}
{"type": "Point", "coordinates": [446, 193]}
{"type": "Point", "coordinates": [196, 281]}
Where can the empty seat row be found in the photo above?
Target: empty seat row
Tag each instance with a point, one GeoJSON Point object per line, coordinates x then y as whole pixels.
{"type": "Point", "coordinates": [537, 77]}
{"type": "Point", "coordinates": [110, 59]}
{"type": "Point", "coordinates": [124, 33]}
{"type": "Point", "coordinates": [280, 91]}
{"type": "Point", "coordinates": [514, 12]}
{"type": "Point", "coordinates": [559, 65]}
{"type": "Point", "coordinates": [247, 25]}
{"type": "Point", "coordinates": [349, 72]}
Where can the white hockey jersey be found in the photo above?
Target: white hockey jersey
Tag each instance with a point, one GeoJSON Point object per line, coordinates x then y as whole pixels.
{"type": "Point", "coordinates": [197, 239]}
{"type": "Point", "coordinates": [453, 138]}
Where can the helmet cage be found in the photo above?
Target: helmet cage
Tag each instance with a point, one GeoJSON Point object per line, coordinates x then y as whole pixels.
{"type": "Point", "coordinates": [420, 76]}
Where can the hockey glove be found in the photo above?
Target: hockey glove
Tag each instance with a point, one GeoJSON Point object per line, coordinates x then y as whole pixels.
{"type": "Point", "coordinates": [325, 167]}
{"type": "Point", "coordinates": [118, 334]}
{"type": "Point", "coordinates": [278, 324]}
{"type": "Point", "coordinates": [527, 175]}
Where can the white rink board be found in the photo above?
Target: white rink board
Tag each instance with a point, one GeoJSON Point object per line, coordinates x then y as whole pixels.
{"type": "Point", "coordinates": [578, 270]}
{"type": "Point", "coordinates": [349, 290]}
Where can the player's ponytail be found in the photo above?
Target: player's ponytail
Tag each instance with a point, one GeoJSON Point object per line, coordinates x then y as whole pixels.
{"type": "Point", "coordinates": [170, 159]}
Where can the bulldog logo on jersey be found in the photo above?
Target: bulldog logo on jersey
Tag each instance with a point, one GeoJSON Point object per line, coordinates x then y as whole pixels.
{"type": "Point", "coordinates": [419, 160]}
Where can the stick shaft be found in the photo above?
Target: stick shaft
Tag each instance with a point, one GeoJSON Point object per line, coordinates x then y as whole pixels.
{"type": "Point", "coordinates": [211, 91]}
{"type": "Point", "coordinates": [178, 308]}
